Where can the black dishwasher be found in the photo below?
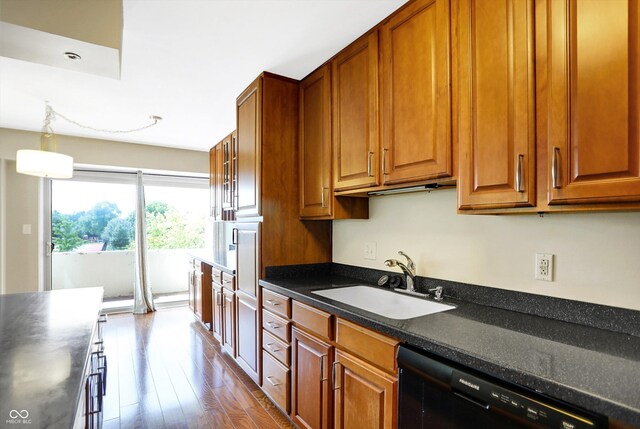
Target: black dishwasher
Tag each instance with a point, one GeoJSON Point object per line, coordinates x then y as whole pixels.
{"type": "Point", "coordinates": [434, 394]}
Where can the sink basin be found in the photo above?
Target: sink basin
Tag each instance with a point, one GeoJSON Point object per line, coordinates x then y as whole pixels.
{"type": "Point", "coordinates": [389, 304]}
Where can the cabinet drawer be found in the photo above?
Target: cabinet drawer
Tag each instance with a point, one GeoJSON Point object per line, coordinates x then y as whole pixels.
{"type": "Point", "coordinates": [276, 348]}
{"type": "Point", "coordinates": [229, 281]}
{"type": "Point", "coordinates": [313, 320]}
{"type": "Point", "coordinates": [376, 348]}
{"type": "Point", "coordinates": [276, 303]}
{"type": "Point", "coordinates": [276, 325]}
{"type": "Point", "coordinates": [216, 276]}
{"type": "Point", "coordinates": [276, 381]}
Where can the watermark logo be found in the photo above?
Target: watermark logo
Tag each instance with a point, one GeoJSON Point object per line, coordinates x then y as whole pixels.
{"type": "Point", "coordinates": [18, 417]}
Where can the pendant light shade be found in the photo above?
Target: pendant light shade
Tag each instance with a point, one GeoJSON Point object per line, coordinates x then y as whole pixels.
{"type": "Point", "coordinates": [43, 163]}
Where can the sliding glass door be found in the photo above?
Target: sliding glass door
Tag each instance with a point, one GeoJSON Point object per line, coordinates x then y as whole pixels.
{"type": "Point", "coordinates": [92, 219]}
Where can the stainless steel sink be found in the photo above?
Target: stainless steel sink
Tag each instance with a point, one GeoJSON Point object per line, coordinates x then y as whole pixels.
{"type": "Point", "coordinates": [384, 302]}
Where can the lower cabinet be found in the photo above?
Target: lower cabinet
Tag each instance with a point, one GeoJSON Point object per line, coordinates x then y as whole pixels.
{"type": "Point", "coordinates": [311, 394]}
{"type": "Point", "coordinates": [218, 313]}
{"type": "Point", "coordinates": [229, 321]}
{"type": "Point", "coordinates": [247, 329]}
{"type": "Point", "coordinates": [323, 371]}
{"type": "Point", "coordinates": [365, 397]}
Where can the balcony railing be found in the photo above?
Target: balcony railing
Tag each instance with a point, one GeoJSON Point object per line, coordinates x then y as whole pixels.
{"type": "Point", "coordinates": [114, 271]}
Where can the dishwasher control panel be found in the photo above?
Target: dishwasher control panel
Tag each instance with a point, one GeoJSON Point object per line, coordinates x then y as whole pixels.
{"type": "Point", "coordinates": [489, 395]}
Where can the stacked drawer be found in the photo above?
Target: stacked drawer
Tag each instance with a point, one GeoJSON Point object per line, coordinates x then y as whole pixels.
{"type": "Point", "coordinates": [276, 348]}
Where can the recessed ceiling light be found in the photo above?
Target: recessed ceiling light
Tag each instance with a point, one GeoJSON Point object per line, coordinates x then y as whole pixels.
{"type": "Point", "coordinates": [72, 56]}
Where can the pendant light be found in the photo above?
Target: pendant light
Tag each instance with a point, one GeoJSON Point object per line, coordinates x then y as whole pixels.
{"type": "Point", "coordinates": [45, 162]}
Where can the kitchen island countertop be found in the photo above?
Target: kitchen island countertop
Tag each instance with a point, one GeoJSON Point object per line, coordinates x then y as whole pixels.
{"type": "Point", "coordinates": [45, 340]}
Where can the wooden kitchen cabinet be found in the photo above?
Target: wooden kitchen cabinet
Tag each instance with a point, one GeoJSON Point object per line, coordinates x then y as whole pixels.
{"type": "Point", "coordinates": [218, 312]}
{"type": "Point", "coordinates": [248, 262]}
{"type": "Point", "coordinates": [589, 53]}
{"type": "Point", "coordinates": [355, 115]}
{"type": "Point", "coordinates": [247, 334]}
{"type": "Point", "coordinates": [496, 124]}
{"type": "Point", "coordinates": [215, 181]}
{"type": "Point", "coordinates": [415, 95]}
{"type": "Point", "coordinates": [229, 321]}
{"type": "Point", "coordinates": [365, 397]}
{"type": "Point", "coordinates": [228, 161]}
{"type": "Point", "coordinates": [249, 129]}
{"type": "Point", "coordinates": [311, 394]}
{"type": "Point", "coordinates": [317, 200]}
{"type": "Point", "coordinates": [199, 296]}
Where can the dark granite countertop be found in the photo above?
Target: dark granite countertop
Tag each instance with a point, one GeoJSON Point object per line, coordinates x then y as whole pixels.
{"type": "Point", "coordinates": [593, 368]}
{"type": "Point", "coordinates": [45, 340]}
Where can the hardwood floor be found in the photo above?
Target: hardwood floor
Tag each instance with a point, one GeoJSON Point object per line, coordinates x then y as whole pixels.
{"type": "Point", "coordinates": [167, 371]}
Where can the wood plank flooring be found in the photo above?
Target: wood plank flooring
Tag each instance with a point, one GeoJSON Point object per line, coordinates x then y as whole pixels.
{"type": "Point", "coordinates": [167, 371]}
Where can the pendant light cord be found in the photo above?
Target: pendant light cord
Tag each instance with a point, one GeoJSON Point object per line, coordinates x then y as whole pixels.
{"type": "Point", "coordinates": [51, 116]}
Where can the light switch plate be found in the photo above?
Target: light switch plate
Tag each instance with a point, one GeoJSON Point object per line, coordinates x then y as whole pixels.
{"type": "Point", "coordinates": [369, 250]}
{"type": "Point", "coordinates": [26, 228]}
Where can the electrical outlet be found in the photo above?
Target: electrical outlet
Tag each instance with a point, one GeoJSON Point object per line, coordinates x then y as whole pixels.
{"type": "Point", "coordinates": [369, 250]}
{"type": "Point", "coordinates": [544, 267]}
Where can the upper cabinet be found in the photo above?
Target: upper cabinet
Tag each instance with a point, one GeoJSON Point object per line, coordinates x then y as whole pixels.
{"type": "Point", "coordinates": [248, 116]}
{"type": "Point", "coordinates": [415, 93]}
{"type": "Point", "coordinates": [315, 144]}
{"type": "Point", "coordinates": [496, 98]}
{"type": "Point", "coordinates": [592, 64]}
{"type": "Point", "coordinates": [215, 180]}
{"type": "Point", "coordinates": [227, 171]}
{"type": "Point", "coordinates": [355, 115]}
{"type": "Point", "coordinates": [317, 200]}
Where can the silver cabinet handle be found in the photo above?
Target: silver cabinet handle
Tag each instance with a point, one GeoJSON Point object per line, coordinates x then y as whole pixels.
{"type": "Point", "coordinates": [218, 299]}
{"type": "Point", "coordinates": [519, 173]}
{"type": "Point", "coordinates": [555, 173]}
{"type": "Point", "coordinates": [322, 195]}
{"type": "Point", "coordinates": [272, 349]}
{"type": "Point", "coordinates": [273, 325]}
{"type": "Point", "coordinates": [384, 161]}
{"type": "Point", "coordinates": [333, 376]}
{"type": "Point", "coordinates": [369, 156]}
{"type": "Point", "coordinates": [234, 236]}
{"type": "Point", "coordinates": [273, 383]}
{"type": "Point", "coordinates": [272, 302]}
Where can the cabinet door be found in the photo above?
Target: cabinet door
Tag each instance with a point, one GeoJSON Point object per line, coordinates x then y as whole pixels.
{"type": "Point", "coordinates": [218, 313]}
{"type": "Point", "coordinates": [315, 144]}
{"type": "Point", "coordinates": [247, 329]}
{"type": "Point", "coordinates": [364, 396]}
{"type": "Point", "coordinates": [227, 173]}
{"type": "Point", "coordinates": [248, 263]}
{"type": "Point", "coordinates": [197, 290]}
{"type": "Point", "coordinates": [192, 292]}
{"type": "Point", "coordinates": [248, 115]}
{"type": "Point", "coordinates": [310, 390]}
{"type": "Point", "coordinates": [213, 169]}
{"type": "Point", "coordinates": [593, 72]}
{"type": "Point", "coordinates": [496, 128]}
{"type": "Point", "coordinates": [229, 322]}
{"type": "Point", "coordinates": [355, 115]}
{"type": "Point", "coordinates": [415, 90]}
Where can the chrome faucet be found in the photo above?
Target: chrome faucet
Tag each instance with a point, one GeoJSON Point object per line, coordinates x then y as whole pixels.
{"type": "Point", "coordinates": [409, 269]}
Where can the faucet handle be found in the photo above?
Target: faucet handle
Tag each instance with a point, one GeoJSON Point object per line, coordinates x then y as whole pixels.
{"type": "Point", "coordinates": [437, 292]}
{"type": "Point", "coordinates": [410, 264]}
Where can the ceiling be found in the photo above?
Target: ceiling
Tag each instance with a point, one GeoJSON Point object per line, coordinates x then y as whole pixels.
{"type": "Point", "coordinates": [186, 61]}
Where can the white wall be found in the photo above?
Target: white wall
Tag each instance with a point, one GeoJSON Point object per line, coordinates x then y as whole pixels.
{"type": "Point", "coordinates": [597, 254]}
{"type": "Point", "coordinates": [20, 194]}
